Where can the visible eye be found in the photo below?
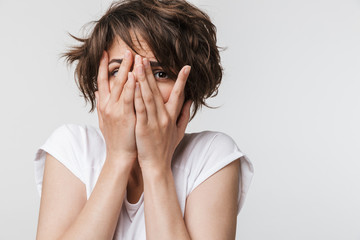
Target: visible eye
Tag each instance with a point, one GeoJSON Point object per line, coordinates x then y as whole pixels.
{"type": "Point", "coordinates": [161, 74]}
{"type": "Point", "coordinates": [114, 72]}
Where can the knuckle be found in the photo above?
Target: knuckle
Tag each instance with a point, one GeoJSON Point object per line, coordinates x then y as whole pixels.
{"type": "Point", "coordinates": [164, 122]}
{"type": "Point", "coordinates": [140, 78]}
{"type": "Point", "coordinates": [127, 99]}
{"type": "Point", "coordinates": [129, 87]}
{"type": "Point", "coordinates": [140, 109]}
{"type": "Point", "coordinates": [157, 93]}
{"type": "Point", "coordinates": [101, 108]}
{"type": "Point", "coordinates": [177, 92]}
{"type": "Point", "coordinates": [141, 132]}
{"type": "Point", "coordinates": [148, 98]}
{"type": "Point", "coordinates": [107, 112]}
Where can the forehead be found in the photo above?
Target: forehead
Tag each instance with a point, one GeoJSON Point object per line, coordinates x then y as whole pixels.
{"type": "Point", "coordinates": [118, 47]}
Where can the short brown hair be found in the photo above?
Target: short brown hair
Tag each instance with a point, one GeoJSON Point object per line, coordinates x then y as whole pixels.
{"type": "Point", "coordinates": [177, 32]}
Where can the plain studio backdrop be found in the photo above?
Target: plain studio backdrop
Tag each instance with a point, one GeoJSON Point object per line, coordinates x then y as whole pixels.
{"type": "Point", "coordinates": [290, 98]}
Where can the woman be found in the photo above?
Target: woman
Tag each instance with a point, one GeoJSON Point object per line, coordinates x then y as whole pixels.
{"type": "Point", "coordinates": [139, 175]}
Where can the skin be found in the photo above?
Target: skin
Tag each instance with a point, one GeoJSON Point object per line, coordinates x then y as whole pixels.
{"type": "Point", "coordinates": [117, 51]}
{"type": "Point", "coordinates": [161, 120]}
{"type": "Point", "coordinates": [141, 126]}
{"type": "Point", "coordinates": [145, 67]}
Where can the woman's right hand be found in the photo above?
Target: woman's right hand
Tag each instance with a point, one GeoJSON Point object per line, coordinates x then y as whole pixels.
{"type": "Point", "coordinates": [115, 110]}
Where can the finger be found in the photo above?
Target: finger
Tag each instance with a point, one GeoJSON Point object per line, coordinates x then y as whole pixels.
{"type": "Point", "coordinates": [121, 77]}
{"type": "Point", "coordinates": [102, 80]}
{"type": "Point", "coordinates": [159, 102]}
{"type": "Point", "coordinates": [177, 93]}
{"type": "Point", "coordinates": [184, 117]}
{"type": "Point", "coordinates": [140, 109]}
{"type": "Point", "coordinates": [146, 92]}
{"type": "Point", "coordinates": [98, 110]}
{"type": "Point", "coordinates": [127, 97]}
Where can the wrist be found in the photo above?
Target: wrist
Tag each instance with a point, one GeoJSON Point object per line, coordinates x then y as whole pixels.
{"type": "Point", "coordinates": [120, 162]}
{"type": "Point", "coordinates": [149, 171]}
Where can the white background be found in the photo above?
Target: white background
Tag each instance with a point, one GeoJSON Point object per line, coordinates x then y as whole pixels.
{"type": "Point", "coordinates": [290, 99]}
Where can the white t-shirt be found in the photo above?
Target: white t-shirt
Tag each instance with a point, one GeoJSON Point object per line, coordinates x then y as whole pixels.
{"type": "Point", "coordinates": [81, 148]}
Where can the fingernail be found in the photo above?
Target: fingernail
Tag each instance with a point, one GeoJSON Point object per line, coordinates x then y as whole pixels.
{"type": "Point", "coordinates": [137, 58]}
{"type": "Point", "coordinates": [187, 69]}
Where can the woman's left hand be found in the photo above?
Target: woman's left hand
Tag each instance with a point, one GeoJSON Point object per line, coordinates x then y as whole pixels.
{"type": "Point", "coordinates": [159, 126]}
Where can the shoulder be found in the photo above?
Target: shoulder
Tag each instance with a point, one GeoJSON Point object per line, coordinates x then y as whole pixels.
{"type": "Point", "coordinates": [208, 137]}
{"type": "Point", "coordinates": [77, 142]}
{"type": "Point", "coordinates": [87, 134]}
{"type": "Point", "coordinates": [200, 150]}
{"type": "Point", "coordinates": [202, 154]}
{"type": "Point", "coordinates": [78, 132]}
{"type": "Point", "coordinates": [69, 132]}
{"type": "Point", "coordinates": [78, 147]}
{"type": "Point", "coordinates": [89, 141]}
{"type": "Point", "coordinates": [203, 139]}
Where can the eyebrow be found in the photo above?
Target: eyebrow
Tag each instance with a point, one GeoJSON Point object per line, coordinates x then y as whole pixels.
{"type": "Point", "coordinates": [119, 60]}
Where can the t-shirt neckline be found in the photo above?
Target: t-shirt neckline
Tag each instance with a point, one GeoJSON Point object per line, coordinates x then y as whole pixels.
{"type": "Point", "coordinates": [133, 206]}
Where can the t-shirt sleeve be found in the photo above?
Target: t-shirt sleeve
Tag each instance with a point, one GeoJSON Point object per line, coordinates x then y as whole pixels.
{"type": "Point", "coordinates": [64, 145]}
{"type": "Point", "coordinates": [221, 151]}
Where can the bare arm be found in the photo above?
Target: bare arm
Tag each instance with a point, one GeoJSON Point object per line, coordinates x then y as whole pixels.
{"type": "Point", "coordinates": [163, 217]}
{"type": "Point", "coordinates": [210, 211]}
{"type": "Point", "coordinates": [211, 208]}
{"type": "Point", "coordinates": [64, 211]}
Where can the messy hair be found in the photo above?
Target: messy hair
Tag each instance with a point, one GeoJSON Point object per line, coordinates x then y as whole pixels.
{"type": "Point", "coordinates": [177, 32]}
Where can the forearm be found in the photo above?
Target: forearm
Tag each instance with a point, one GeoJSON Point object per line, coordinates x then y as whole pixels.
{"type": "Point", "coordinates": [98, 219]}
{"type": "Point", "coordinates": [163, 216]}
